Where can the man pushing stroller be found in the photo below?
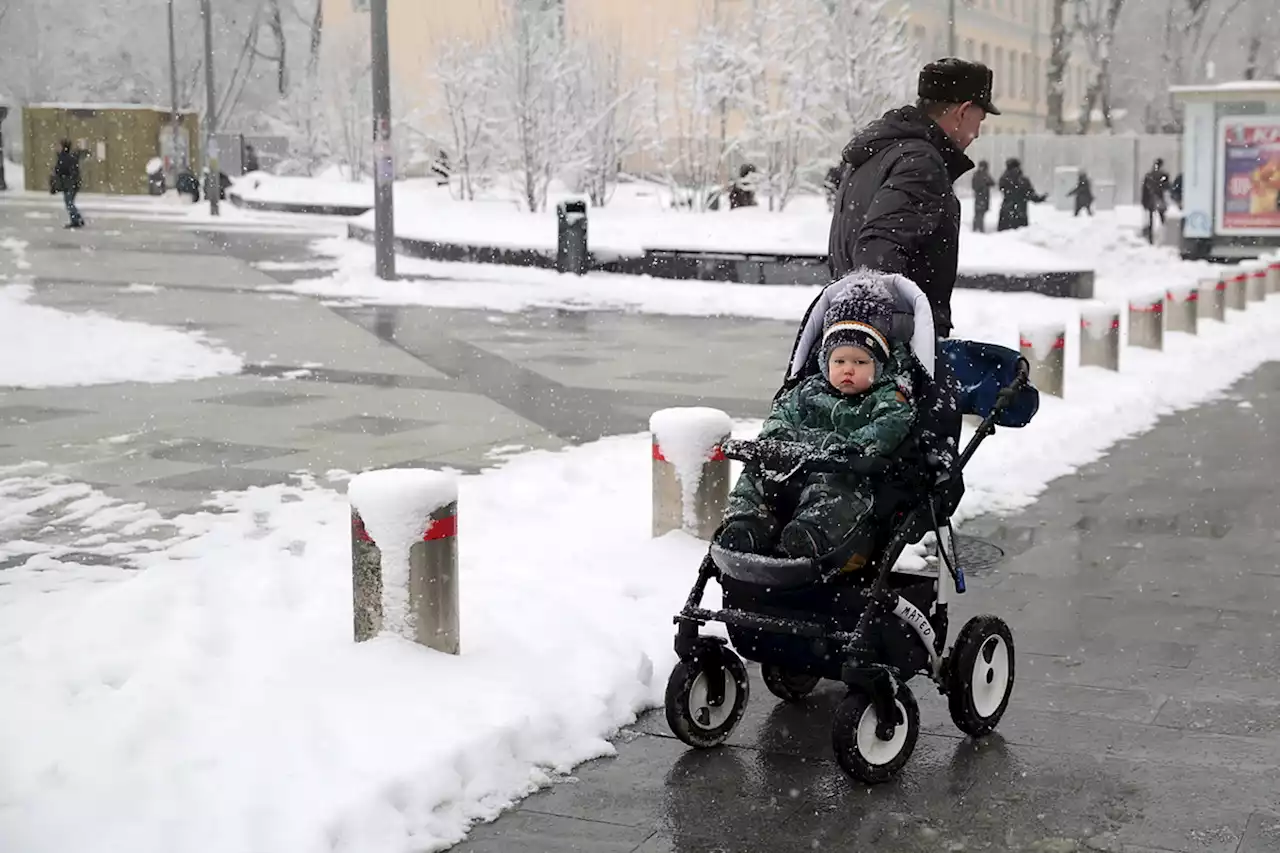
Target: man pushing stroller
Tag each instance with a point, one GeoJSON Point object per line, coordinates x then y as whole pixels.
{"type": "Point", "coordinates": [860, 404]}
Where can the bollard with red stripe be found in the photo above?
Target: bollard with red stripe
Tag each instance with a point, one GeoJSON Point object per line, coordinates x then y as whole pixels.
{"type": "Point", "coordinates": [1256, 290]}
{"type": "Point", "coordinates": [1237, 288]}
{"type": "Point", "coordinates": [1146, 322]}
{"type": "Point", "coordinates": [1045, 349]}
{"type": "Point", "coordinates": [406, 585]}
{"type": "Point", "coordinates": [1182, 309]}
{"type": "Point", "coordinates": [1273, 275]}
{"type": "Point", "coordinates": [1212, 299]}
{"type": "Point", "coordinates": [1100, 338]}
{"type": "Point", "coordinates": [690, 472]}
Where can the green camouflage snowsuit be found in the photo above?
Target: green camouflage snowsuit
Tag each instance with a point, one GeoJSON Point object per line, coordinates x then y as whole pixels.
{"type": "Point", "coordinates": [815, 413]}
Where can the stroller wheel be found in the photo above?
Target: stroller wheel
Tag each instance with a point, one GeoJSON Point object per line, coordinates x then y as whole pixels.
{"type": "Point", "coordinates": [695, 714]}
{"type": "Point", "coordinates": [788, 686]}
{"type": "Point", "coordinates": [859, 749]}
{"type": "Point", "coordinates": [980, 674]}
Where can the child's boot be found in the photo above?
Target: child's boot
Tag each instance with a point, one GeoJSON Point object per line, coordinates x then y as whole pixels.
{"type": "Point", "coordinates": [800, 539]}
{"type": "Point", "coordinates": [746, 535]}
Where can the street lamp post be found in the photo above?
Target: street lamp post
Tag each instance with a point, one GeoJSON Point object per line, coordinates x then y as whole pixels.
{"type": "Point", "coordinates": [384, 172]}
{"type": "Point", "coordinates": [951, 27]}
{"type": "Point", "coordinates": [173, 92]}
{"type": "Point", "coordinates": [212, 185]}
{"type": "Point", "coordinates": [4, 114]}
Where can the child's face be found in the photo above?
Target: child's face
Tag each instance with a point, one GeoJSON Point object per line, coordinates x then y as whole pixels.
{"type": "Point", "coordinates": [852, 369]}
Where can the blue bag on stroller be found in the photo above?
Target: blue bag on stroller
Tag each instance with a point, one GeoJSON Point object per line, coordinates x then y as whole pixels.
{"type": "Point", "coordinates": [808, 619]}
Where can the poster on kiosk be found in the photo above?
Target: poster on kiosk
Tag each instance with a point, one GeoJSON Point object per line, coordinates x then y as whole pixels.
{"type": "Point", "coordinates": [1249, 175]}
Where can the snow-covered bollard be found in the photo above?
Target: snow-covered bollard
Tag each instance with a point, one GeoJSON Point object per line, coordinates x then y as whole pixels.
{"type": "Point", "coordinates": [1273, 275]}
{"type": "Point", "coordinates": [404, 556]}
{"type": "Point", "coordinates": [1181, 309]}
{"type": "Point", "coordinates": [1146, 322]}
{"type": "Point", "coordinates": [1237, 288]}
{"type": "Point", "coordinates": [1100, 338]}
{"type": "Point", "coordinates": [1045, 349]}
{"type": "Point", "coordinates": [1213, 299]}
{"type": "Point", "coordinates": [1256, 290]}
{"type": "Point", "coordinates": [690, 473]}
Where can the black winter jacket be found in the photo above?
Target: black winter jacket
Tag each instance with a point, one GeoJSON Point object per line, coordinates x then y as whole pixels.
{"type": "Point", "coordinates": [896, 210]}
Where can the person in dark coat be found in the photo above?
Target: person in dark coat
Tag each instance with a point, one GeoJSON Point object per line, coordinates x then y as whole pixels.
{"type": "Point", "coordinates": [1155, 184]}
{"type": "Point", "coordinates": [1083, 193]}
{"type": "Point", "coordinates": [1017, 192]}
{"type": "Point", "coordinates": [896, 210]}
{"type": "Point", "coordinates": [982, 184]}
{"type": "Point", "coordinates": [66, 173]}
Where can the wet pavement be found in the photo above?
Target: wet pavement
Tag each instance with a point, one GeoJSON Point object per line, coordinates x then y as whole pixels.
{"type": "Point", "coordinates": [329, 385]}
{"type": "Point", "coordinates": [1142, 593]}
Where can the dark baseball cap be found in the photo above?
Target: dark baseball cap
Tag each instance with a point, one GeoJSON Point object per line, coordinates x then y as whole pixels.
{"type": "Point", "coordinates": [955, 81]}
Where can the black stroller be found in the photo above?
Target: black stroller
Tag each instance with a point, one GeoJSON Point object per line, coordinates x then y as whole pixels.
{"type": "Point", "coordinates": [874, 629]}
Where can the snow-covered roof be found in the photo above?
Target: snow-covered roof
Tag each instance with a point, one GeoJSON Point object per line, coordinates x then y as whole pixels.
{"type": "Point", "coordinates": [76, 106]}
{"type": "Point", "coordinates": [1224, 91]}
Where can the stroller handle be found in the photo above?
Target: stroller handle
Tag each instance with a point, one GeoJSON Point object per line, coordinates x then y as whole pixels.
{"type": "Point", "coordinates": [794, 456]}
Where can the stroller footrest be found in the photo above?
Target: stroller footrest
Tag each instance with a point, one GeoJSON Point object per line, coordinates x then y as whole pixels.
{"type": "Point", "coordinates": [743, 619]}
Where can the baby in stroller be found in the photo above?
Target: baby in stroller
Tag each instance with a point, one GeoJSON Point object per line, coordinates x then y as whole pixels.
{"type": "Point", "coordinates": [859, 404]}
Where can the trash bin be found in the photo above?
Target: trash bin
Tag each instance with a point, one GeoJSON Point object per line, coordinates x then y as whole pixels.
{"type": "Point", "coordinates": [571, 245]}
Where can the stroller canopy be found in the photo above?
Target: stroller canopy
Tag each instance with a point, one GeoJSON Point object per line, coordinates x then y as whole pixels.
{"type": "Point", "coordinates": [912, 320]}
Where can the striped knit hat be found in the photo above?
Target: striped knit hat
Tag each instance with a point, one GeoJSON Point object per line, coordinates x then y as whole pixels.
{"type": "Point", "coordinates": [860, 318]}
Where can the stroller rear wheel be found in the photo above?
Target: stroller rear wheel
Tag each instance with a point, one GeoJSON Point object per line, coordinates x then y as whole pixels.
{"type": "Point", "coordinates": [860, 750]}
{"type": "Point", "coordinates": [699, 712]}
{"type": "Point", "coordinates": [788, 686]}
{"type": "Point", "coordinates": [980, 674]}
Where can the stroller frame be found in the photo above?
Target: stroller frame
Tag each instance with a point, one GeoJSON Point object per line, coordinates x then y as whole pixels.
{"type": "Point", "coordinates": [722, 675]}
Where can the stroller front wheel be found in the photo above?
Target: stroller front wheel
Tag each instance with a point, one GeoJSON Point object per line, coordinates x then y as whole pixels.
{"type": "Point", "coordinates": [699, 711]}
{"type": "Point", "coordinates": [859, 749]}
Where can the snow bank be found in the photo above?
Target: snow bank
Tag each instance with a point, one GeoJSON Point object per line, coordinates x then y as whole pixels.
{"type": "Point", "coordinates": [687, 438]}
{"type": "Point", "coordinates": [395, 506]}
{"type": "Point", "coordinates": [34, 351]}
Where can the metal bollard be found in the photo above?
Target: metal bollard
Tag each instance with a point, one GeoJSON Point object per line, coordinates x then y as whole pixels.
{"type": "Point", "coordinates": [1045, 349]}
{"type": "Point", "coordinates": [1256, 291]}
{"type": "Point", "coordinates": [1273, 275]}
{"type": "Point", "coordinates": [1213, 299]}
{"type": "Point", "coordinates": [406, 587]}
{"type": "Point", "coordinates": [1181, 309]}
{"type": "Point", "coordinates": [1146, 323]}
{"type": "Point", "coordinates": [1100, 338]}
{"type": "Point", "coordinates": [1237, 298]}
{"type": "Point", "coordinates": [690, 473]}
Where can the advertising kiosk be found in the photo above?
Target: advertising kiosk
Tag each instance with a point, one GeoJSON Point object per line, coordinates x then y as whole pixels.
{"type": "Point", "coordinates": [1231, 169]}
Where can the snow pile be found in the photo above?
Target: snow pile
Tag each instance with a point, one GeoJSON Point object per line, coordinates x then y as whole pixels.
{"type": "Point", "coordinates": [261, 186]}
{"type": "Point", "coordinates": [687, 438]}
{"type": "Point", "coordinates": [395, 506]}
{"type": "Point", "coordinates": [44, 348]}
{"type": "Point", "coordinates": [230, 711]}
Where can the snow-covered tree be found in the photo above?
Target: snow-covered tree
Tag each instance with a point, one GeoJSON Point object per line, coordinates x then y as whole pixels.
{"type": "Point", "coordinates": [347, 90]}
{"type": "Point", "coordinates": [610, 112]}
{"type": "Point", "coordinates": [1096, 27]}
{"type": "Point", "coordinates": [533, 77]}
{"type": "Point", "coordinates": [692, 118]}
{"type": "Point", "coordinates": [463, 77]}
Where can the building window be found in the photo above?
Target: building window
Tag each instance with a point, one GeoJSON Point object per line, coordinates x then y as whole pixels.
{"type": "Point", "coordinates": [999, 86]}
{"type": "Point", "coordinates": [1026, 76]}
{"type": "Point", "coordinates": [968, 49]}
{"type": "Point", "coordinates": [1013, 74]}
{"type": "Point", "coordinates": [986, 55]}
